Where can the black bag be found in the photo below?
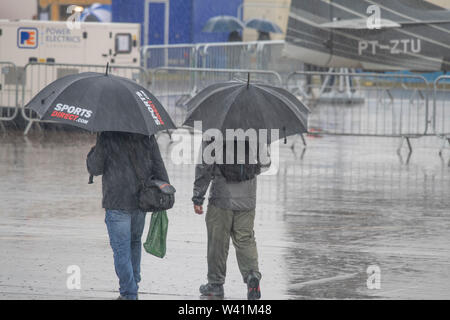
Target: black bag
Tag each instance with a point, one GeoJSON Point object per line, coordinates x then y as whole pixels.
{"type": "Point", "coordinates": [237, 172]}
{"type": "Point", "coordinates": [154, 195]}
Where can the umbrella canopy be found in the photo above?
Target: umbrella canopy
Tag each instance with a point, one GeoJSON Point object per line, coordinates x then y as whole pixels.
{"type": "Point", "coordinates": [223, 24]}
{"type": "Point", "coordinates": [240, 105]}
{"type": "Point", "coordinates": [101, 102]}
{"type": "Point", "coordinates": [263, 25]}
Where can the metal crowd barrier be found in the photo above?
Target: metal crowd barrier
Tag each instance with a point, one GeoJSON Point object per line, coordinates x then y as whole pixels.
{"type": "Point", "coordinates": [228, 55]}
{"type": "Point", "coordinates": [175, 86]}
{"type": "Point", "coordinates": [363, 104]}
{"type": "Point", "coordinates": [173, 55]}
{"type": "Point", "coordinates": [9, 82]}
{"type": "Point", "coordinates": [262, 55]}
{"type": "Point", "coordinates": [441, 112]}
{"type": "Point", "coordinates": [373, 104]}
{"type": "Point", "coordinates": [39, 75]}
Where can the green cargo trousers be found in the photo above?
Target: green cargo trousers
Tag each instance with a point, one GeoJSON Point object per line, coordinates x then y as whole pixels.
{"type": "Point", "coordinates": [222, 224]}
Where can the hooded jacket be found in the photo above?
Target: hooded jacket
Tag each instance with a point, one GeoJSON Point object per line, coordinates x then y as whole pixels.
{"type": "Point", "coordinates": [111, 158]}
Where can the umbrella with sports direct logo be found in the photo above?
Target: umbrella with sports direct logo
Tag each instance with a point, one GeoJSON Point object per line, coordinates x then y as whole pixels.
{"type": "Point", "coordinates": [101, 102]}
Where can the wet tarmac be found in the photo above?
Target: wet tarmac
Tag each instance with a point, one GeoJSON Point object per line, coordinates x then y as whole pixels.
{"type": "Point", "coordinates": [334, 209]}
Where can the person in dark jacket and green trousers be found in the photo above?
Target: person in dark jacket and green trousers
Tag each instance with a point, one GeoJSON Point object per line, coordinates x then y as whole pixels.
{"type": "Point", "coordinates": [230, 214]}
{"type": "Point", "coordinates": [111, 157]}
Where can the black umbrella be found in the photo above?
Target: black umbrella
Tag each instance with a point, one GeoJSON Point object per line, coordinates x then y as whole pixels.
{"type": "Point", "coordinates": [240, 105]}
{"type": "Point", "coordinates": [101, 102]}
{"type": "Point", "coordinates": [263, 25]}
{"type": "Point", "coordinates": [223, 24]}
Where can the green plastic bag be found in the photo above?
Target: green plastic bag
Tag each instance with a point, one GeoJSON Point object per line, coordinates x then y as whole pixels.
{"type": "Point", "coordinates": [157, 234]}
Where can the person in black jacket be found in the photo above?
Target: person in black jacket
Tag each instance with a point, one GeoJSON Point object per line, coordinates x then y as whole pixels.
{"type": "Point", "coordinates": [234, 52]}
{"type": "Point", "coordinates": [266, 50]}
{"type": "Point", "coordinates": [111, 157]}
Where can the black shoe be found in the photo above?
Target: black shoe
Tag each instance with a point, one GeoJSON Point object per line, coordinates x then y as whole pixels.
{"type": "Point", "coordinates": [212, 290]}
{"type": "Point", "coordinates": [253, 290]}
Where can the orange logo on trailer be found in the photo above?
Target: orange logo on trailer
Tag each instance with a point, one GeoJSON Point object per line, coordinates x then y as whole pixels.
{"type": "Point", "coordinates": [27, 38]}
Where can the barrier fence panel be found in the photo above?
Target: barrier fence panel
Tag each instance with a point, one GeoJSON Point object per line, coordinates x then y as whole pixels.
{"type": "Point", "coordinates": [39, 75]}
{"type": "Point", "coordinates": [9, 81]}
{"type": "Point", "coordinates": [441, 106]}
{"type": "Point", "coordinates": [262, 55]}
{"type": "Point", "coordinates": [363, 104]}
{"type": "Point", "coordinates": [174, 55]}
{"type": "Point", "coordinates": [228, 55]}
{"type": "Point", "coordinates": [374, 104]}
{"type": "Point", "coordinates": [441, 110]}
{"type": "Point", "coordinates": [175, 86]}
{"type": "Point", "coordinates": [270, 56]}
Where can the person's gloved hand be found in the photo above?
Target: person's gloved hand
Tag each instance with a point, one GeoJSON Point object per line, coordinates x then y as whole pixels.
{"type": "Point", "coordinates": [198, 209]}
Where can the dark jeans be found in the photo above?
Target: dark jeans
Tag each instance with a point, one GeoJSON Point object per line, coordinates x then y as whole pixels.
{"type": "Point", "coordinates": [125, 231]}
